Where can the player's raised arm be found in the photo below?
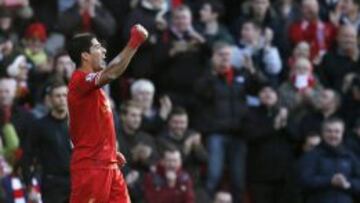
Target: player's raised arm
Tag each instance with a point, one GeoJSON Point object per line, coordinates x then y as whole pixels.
{"type": "Point", "coordinates": [119, 64]}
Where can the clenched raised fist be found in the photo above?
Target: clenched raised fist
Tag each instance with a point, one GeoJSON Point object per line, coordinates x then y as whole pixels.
{"type": "Point", "coordinates": [138, 35]}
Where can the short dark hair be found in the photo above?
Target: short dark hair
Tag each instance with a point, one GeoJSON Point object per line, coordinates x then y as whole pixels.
{"type": "Point", "coordinates": [176, 111]}
{"type": "Point", "coordinates": [79, 44]}
{"type": "Point", "coordinates": [332, 120]}
{"type": "Point", "coordinates": [218, 45]}
{"type": "Point", "coordinates": [126, 105]}
{"type": "Point", "coordinates": [216, 6]}
{"type": "Point", "coordinates": [53, 85]}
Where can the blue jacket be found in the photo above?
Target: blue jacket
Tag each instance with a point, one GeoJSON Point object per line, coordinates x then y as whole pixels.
{"type": "Point", "coordinates": [317, 168]}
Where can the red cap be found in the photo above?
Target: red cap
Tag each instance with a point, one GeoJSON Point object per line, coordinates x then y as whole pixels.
{"type": "Point", "coordinates": [36, 31]}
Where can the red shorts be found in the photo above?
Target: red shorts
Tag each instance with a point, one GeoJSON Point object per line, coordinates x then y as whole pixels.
{"type": "Point", "coordinates": [98, 186]}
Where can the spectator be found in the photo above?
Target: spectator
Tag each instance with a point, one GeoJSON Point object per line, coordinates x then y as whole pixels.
{"type": "Point", "coordinates": [327, 107]}
{"type": "Point", "coordinates": [35, 38]}
{"type": "Point", "coordinates": [346, 12]}
{"type": "Point", "coordinates": [256, 52]}
{"type": "Point", "coordinates": [63, 66]}
{"type": "Point", "coordinates": [302, 88]}
{"type": "Point", "coordinates": [221, 93]}
{"type": "Point", "coordinates": [8, 52]}
{"type": "Point", "coordinates": [260, 12]}
{"type": "Point", "coordinates": [169, 182]}
{"type": "Point", "coordinates": [181, 60]}
{"type": "Point", "coordinates": [51, 148]}
{"type": "Point", "coordinates": [153, 119]}
{"type": "Point", "coordinates": [153, 15]}
{"type": "Point", "coordinates": [19, 116]}
{"type": "Point", "coordinates": [210, 27]}
{"type": "Point", "coordinates": [87, 16]}
{"type": "Point", "coordinates": [19, 70]}
{"type": "Point", "coordinates": [301, 50]}
{"type": "Point", "coordinates": [269, 150]}
{"type": "Point", "coordinates": [139, 148]}
{"type": "Point", "coordinates": [342, 61]}
{"type": "Point", "coordinates": [189, 143]}
{"type": "Point", "coordinates": [320, 35]}
{"type": "Point", "coordinates": [330, 172]}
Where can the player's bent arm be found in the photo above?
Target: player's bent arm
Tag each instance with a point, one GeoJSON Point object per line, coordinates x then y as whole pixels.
{"type": "Point", "coordinates": [119, 64]}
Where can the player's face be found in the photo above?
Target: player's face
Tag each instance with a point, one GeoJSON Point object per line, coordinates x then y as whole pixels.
{"type": "Point", "coordinates": [58, 98]}
{"type": "Point", "coordinates": [333, 134]}
{"type": "Point", "coordinates": [97, 53]}
{"type": "Point", "coordinates": [133, 118]}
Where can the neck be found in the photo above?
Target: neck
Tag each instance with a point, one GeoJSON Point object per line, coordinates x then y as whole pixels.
{"type": "Point", "coordinates": [86, 68]}
{"type": "Point", "coordinates": [59, 114]}
{"type": "Point", "coordinates": [328, 112]}
{"type": "Point", "coordinates": [212, 27]}
{"type": "Point", "coordinates": [128, 130]}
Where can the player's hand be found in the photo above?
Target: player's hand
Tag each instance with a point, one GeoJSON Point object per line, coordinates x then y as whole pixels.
{"type": "Point", "coordinates": [121, 159]}
{"type": "Point", "coordinates": [138, 35]}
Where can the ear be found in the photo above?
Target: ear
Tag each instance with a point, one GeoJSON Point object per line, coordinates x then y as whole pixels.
{"type": "Point", "coordinates": [85, 56]}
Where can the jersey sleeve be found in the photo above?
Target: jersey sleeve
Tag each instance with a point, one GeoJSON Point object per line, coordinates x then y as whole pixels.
{"type": "Point", "coordinates": [87, 82]}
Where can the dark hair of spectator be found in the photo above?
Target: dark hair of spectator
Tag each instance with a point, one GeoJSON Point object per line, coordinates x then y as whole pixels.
{"type": "Point", "coordinates": [220, 45]}
{"type": "Point", "coordinates": [177, 111]}
{"type": "Point", "coordinates": [181, 9]}
{"type": "Point", "coordinates": [170, 149]}
{"type": "Point", "coordinates": [79, 44]}
{"type": "Point", "coordinates": [128, 104]}
{"type": "Point", "coordinates": [57, 56]}
{"type": "Point", "coordinates": [256, 24]}
{"type": "Point", "coordinates": [216, 7]}
{"type": "Point", "coordinates": [54, 85]}
{"type": "Point", "coordinates": [330, 121]}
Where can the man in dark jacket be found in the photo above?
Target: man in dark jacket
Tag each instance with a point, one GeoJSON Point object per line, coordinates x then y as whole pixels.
{"type": "Point", "coordinates": [180, 59]}
{"type": "Point", "coordinates": [330, 173]}
{"type": "Point", "coordinates": [269, 150]}
{"type": "Point", "coordinates": [222, 105]}
{"type": "Point", "coordinates": [51, 147]}
{"type": "Point", "coordinates": [341, 61]}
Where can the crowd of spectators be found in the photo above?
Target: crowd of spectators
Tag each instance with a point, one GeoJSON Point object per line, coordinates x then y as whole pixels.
{"type": "Point", "coordinates": [253, 101]}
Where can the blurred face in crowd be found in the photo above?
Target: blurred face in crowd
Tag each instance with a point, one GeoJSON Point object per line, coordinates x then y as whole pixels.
{"type": "Point", "coordinates": [327, 100]}
{"type": "Point", "coordinates": [222, 59]}
{"type": "Point", "coordinates": [178, 124]}
{"type": "Point", "coordinates": [249, 33]}
{"type": "Point", "coordinates": [7, 92]}
{"type": "Point", "coordinates": [23, 71]}
{"type": "Point", "coordinates": [347, 38]}
{"type": "Point", "coordinates": [268, 97]}
{"type": "Point", "coordinates": [58, 99]}
{"type": "Point", "coordinates": [302, 67]}
{"type": "Point", "coordinates": [6, 47]}
{"type": "Point", "coordinates": [64, 66]}
{"type": "Point", "coordinates": [132, 118]}
{"type": "Point", "coordinates": [35, 45]}
{"type": "Point", "coordinates": [310, 9]}
{"type": "Point", "coordinates": [156, 3]}
{"type": "Point", "coordinates": [223, 197]}
{"type": "Point", "coordinates": [302, 49]}
{"type": "Point", "coordinates": [347, 6]}
{"type": "Point", "coordinates": [182, 20]}
{"type": "Point", "coordinates": [260, 7]}
{"type": "Point", "coordinates": [144, 98]}
{"type": "Point", "coordinates": [172, 160]}
{"type": "Point", "coordinates": [207, 14]}
{"type": "Point", "coordinates": [333, 133]}
{"type": "Point", "coordinates": [5, 23]}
